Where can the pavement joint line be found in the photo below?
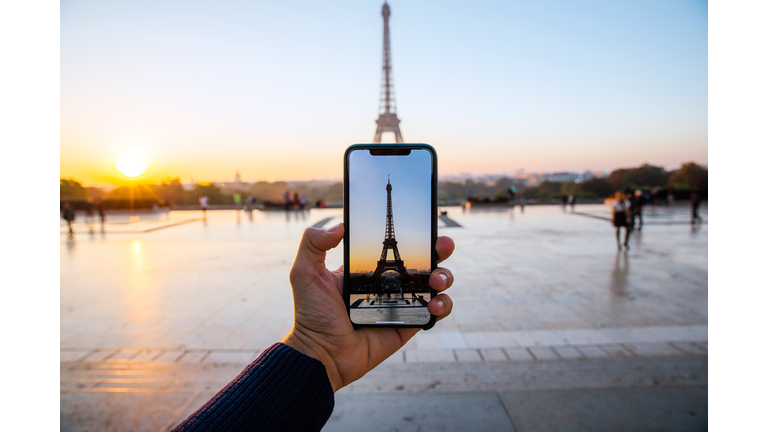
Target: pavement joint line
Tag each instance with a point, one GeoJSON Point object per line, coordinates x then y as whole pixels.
{"type": "Point", "coordinates": [672, 344]}
{"type": "Point", "coordinates": [611, 349]}
{"type": "Point", "coordinates": [630, 350]}
{"type": "Point", "coordinates": [701, 347]}
{"type": "Point", "coordinates": [176, 417]}
{"type": "Point", "coordinates": [511, 419]}
{"type": "Point", "coordinates": [531, 353]}
{"type": "Point", "coordinates": [560, 357]}
{"type": "Point", "coordinates": [178, 359]}
{"type": "Point", "coordinates": [506, 354]}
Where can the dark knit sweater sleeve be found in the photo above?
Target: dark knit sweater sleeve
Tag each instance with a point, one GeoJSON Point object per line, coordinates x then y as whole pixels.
{"type": "Point", "coordinates": [282, 390]}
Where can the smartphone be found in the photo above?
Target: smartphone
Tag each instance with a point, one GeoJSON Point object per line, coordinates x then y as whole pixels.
{"type": "Point", "coordinates": [390, 220]}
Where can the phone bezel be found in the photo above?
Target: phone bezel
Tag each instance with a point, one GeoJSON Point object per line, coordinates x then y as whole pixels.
{"type": "Point", "coordinates": [433, 292]}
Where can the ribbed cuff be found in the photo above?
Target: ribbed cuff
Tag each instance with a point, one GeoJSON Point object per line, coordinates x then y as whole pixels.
{"type": "Point", "coordinates": [282, 390]}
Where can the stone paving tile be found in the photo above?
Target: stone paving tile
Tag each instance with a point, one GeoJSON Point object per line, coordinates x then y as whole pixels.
{"type": "Point", "coordinates": [593, 352]}
{"type": "Point", "coordinates": [429, 357]}
{"type": "Point", "coordinates": [428, 341]}
{"type": "Point", "coordinates": [568, 352]}
{"type": "Point", "coordinates": [194, 357]}
{"type": "Point", "coordinates": [99, 356]}
{"type": "Point", "coordinates": [616, 351]}
{"type": "Point", "coordinates": [516, 354]}
{"type": "Point", "coordinates": [147, 355]}
{"type": "Point", "coordinates": [494, 355]}
{"type": "Point", "coordinates": [543, 353]}
{"type": "Point", "coordinates": [583, 336]}
{"type": "Point", "coordinates": [125, 354]}
{"type": "Point", "coordinates": [468, 356]}
{"type": "Point", "coordinates": [223, 357]}
{"type": "Point", "coordinates": [489, 339]}
{"type": "Point", "coordinates": [689, 348]}
{"type": "Point", "coordinates": [654, 349]}
{"type": "Point", "coordinates": [72, 356]}
{"type": "Point", "coordinates": [702, 346]}
{"type": "Point", "coordinates": [452, 339]}
{"type": "Point", "coordinates": [170, 356]}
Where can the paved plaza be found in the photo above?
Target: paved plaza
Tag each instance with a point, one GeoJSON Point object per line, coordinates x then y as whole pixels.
{"type": "Point", "coordinates": [552, 328]}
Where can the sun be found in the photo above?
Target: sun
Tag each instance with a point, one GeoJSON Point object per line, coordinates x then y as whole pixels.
{"type": "Point", "coordinates": [132, 164]}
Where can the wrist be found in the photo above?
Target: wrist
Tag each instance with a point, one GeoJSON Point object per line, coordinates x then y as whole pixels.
{"type": "Point", "coordinates": [299, 341]}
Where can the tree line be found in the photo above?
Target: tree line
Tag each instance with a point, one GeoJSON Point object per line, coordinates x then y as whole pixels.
{"type": "Point", "coordinates": [690, 177]}
{"type": "Point", "coordinates": [170, 192]}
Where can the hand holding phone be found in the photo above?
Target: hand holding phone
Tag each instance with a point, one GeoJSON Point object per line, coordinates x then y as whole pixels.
{"type": "Point", "coordinates": [321, 327]}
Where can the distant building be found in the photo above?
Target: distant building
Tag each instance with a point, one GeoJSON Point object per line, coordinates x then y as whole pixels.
{"type": "Point", "coordinates": [235, 185]}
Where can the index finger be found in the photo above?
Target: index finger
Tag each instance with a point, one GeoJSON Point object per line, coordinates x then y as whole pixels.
{"type": "Point", "coordinates": [444, 247]}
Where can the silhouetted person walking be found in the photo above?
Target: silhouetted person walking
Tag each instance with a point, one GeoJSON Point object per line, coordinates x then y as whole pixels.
{"type": "Point", "coordinates": [695, 204]}
{"type": "Point", "coordinates": [89, 210]}
{"type": "Point", "coordinates": [564, 200]}
{"type": "Point", "coordinates": [287, 200]}
{"type": "Point", "coordinates": [68, 214]}
{"type": "Point", "coordinates": [620, 219]}
{"type": "Point", "coordinates": [204, 205]}
{"type": "Point", "coordinates": [100, 209]}
{"type": "Point", "coordinates": [572, 201]}
{"type": "Point", "coordinates": [638, 201]}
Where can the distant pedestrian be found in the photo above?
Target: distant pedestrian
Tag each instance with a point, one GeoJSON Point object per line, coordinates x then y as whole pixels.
{"type": "Point", "coordinates": [564, 200]}
{"type": "Point", "coordinates": [89, 210]}
{"type": "Point", "coordinates": [296, 201]}
{"type": "Point", "coordinates": [249, 203]}
{"type": "Point", "coordinates": [572, 201]}
{"type": "Point", "coordinates": [287, 199]}
{"type": "Point", "coordinates": [203, 204]}
{"type": "Point", "coordinates": [695, 204]}
{"type": "Point", "coordinates": [620, 218]}
{"type": "Point", "coordinates": [238, 200]}
{"type": "Point", "coordinates": [100, 209]}
{"type": "Point", "coordinates": [636, 208]}
{"type": "Point", "coordinates": [303, 200]}
{"type": "Point", "coordinates": [68, 214]}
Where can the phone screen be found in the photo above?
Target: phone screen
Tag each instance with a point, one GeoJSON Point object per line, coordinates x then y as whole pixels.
{"type": "Point", "coordinates": [390, 230]}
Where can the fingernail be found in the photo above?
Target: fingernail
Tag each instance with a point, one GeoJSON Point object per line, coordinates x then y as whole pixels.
{"type": "Point", "coordinates": [443, 277]}
{"type": "Point", "coordinates": [440, 305]}
{"type": "Point", "coordinates": [334, 228]}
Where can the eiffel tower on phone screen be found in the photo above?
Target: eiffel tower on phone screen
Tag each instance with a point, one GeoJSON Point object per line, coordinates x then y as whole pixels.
{"type": "Point", "coordinates": [390, 243]}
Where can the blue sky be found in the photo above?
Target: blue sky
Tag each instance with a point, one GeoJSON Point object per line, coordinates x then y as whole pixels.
{"type": "Point", "coordinates": [278, 90]}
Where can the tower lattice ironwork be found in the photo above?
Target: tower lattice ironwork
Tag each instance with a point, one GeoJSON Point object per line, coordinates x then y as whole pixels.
{"type": "Point", "coordinates": [390, 243]}
{"type": "Point", "coordinates": [387, 121]}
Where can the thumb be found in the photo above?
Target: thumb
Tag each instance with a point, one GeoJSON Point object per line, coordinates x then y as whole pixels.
{"type": "Point", "coordinates": [315, 242]}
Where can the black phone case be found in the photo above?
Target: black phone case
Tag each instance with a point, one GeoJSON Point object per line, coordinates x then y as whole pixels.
{"type": "Point", "coordinates": [433, 318]}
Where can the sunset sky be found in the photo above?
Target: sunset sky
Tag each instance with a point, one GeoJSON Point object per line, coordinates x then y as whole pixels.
{"type": "Point", "coordinates": [278, 90]}
{"type": "Point", "coordinates": [410, 177]}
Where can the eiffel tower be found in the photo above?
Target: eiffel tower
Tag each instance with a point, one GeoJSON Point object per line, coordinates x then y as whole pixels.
{"type": "Point", "coordinates": [387, 121]}
{"type": "Point", "coordinates": [390, 243]}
